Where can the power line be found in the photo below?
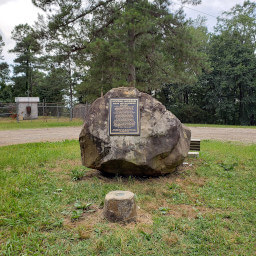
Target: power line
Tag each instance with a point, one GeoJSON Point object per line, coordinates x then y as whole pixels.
{"type": "Point", "coordinates": [196, 10]}
{"type": "Point", "coordinates": [157, 12]}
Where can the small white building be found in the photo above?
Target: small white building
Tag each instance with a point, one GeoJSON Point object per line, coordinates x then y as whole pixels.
{"type": "Point", "coordinates": [27, 107]}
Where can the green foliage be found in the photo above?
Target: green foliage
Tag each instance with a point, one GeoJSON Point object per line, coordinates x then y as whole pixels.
{"type": "Point", "coordinates": [226, 94]}
{"type": "Point", "coordinates": [232, 52]}
{"type": "Point", "coordinates": [122, 43]}
{"type": "Point", "coordinates": [190, 113]}
{"type": "Point", "coordinates": [52, 86]}
{"type": "Point", "coordinates": [5, 89]}
{"type": "Point", "coordinates": [220, 126]}
{"type": "Point", "coordinates": [1, 46]}
{"type": "Point", "coordinates": [164, 210]}
{"type": "Point", "coordinates": [77, 173]}
{"type": "Point", "coordinates": [86, 49]}
{"type": "Point", "coordinates": [79, 205]}
{"type": "Point", "coordinates": [27, 47]}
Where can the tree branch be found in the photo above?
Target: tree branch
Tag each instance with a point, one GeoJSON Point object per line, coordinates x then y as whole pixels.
{"type": "Point", "coordinates": [88, 11]}
{"type": "Point", "coordinates": [142, 33]}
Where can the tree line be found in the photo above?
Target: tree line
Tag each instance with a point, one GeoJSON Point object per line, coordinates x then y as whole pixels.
{"type": "Point", "coordinates": [80, 49]}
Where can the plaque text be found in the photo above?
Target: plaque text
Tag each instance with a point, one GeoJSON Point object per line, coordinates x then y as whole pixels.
{"type": "Point", "coordinates": [124, 116]}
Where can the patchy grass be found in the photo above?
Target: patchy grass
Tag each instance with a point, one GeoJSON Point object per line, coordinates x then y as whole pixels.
{"type": "Point", "coordinates": [51, 205]}
{"type": "Point", "coordinates": [11, 124]}
{"type": "Point", "coordinates": [220, 126]}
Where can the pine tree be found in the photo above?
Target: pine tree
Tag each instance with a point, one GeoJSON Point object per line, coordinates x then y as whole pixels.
{"type": "Point", "coordinates": [232, 52]}
{"type": "Point", "coordinates": [5, 90]}
{"type": "Point", "coordinates": [124, 43]}
{"type": "Point", "coordinates": [27, 48]}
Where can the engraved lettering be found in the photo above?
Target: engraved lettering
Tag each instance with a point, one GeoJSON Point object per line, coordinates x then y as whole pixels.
{"type": "Point", "coordinates": [124, 116]}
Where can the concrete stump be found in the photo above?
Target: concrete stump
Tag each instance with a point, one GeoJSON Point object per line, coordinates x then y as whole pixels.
{"type": "Point", "coordinates": [119, 206]}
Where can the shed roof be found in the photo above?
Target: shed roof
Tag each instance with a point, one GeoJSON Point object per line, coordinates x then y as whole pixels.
{"type": "Point", "coordinates": [27, 99]}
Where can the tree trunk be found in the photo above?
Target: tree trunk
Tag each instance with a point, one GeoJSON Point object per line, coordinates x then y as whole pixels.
{"type": "Point", "coordinates": [131, 51]}
{"type": "Point", "coordinates": [31, 80]}
{"type": "Point", "coordinates": [240, 104]}
{"type": "Point", "coordinates": [70, 88]}
{"type": "Point", "coordinates": [185, 97]}
{"type": "Point", "coordinates": [27, 77]}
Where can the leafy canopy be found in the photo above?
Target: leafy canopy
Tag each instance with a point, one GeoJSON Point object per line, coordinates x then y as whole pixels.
{"type": "Point", "coordinates": [124, 43]}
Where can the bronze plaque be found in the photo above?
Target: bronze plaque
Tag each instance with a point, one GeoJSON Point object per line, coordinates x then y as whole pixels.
{"type": "Point", "coordinates": [124, 116]}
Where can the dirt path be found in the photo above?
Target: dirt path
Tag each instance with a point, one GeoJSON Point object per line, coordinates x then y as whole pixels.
{"type": "Point", "coordinates": [244, 135]}
{"type": "Point", "coordinates": [10, 137]}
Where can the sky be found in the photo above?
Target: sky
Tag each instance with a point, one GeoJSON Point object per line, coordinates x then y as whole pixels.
{"type": "Point", "coordinates": [14, 12]}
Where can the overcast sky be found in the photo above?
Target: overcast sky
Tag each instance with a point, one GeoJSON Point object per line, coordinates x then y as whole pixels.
{"type": "Point", "coordinates": [14, 12]}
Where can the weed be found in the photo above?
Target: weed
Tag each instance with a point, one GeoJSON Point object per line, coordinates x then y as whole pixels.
{"type": "Point", "coordinates": [146, 235]}
{"type": "Point", "coordinates": [76, 214]}
{"type": "Point", "coordinates": [228, 167]}
{"type": "Point", "coordinates": [164, 210]}
{"type": "Point", "coordinates": [173, 186]}
{"type": "Point", "coordinates": [81, 206]}
{"type": "Point", "coordinates": [78, 173]}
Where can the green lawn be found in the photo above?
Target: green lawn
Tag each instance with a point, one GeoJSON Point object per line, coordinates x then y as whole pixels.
{"type": "Point", "coordinates": [11, 124]}
{"type": "Point", "coordinates": [208, 208]}
{"type": "Point", "coordinates": [220, 126]}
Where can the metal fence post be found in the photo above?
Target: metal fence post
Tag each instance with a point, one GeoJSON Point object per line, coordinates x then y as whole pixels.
{"type": "Point", "coordinates": [43, 106]}
{"type": "Point", "coordinates": [58, 115]}
{"type": "Point", "coordinates": [71, 112]}
{"type": "Point", "coordinates": [17, 112]}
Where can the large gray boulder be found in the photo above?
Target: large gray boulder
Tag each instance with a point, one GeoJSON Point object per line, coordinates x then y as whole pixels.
{"type": "Point", "coordinates": [160, 148]}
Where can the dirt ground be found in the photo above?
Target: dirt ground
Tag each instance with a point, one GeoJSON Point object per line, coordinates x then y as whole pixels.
{"type": "Point", "coordinates": [10, 137]}
{"type": "Point", "coordinates": [244, 135]}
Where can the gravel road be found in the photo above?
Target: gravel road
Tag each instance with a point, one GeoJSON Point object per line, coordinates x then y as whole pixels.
{"type": "Point", "coordinates": [10, 137]}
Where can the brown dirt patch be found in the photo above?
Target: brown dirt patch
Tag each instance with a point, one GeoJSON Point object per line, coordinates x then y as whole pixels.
{"type": "Point", "coordinates": [63, 168]}
{"type": "Point", "coordinates": [188, 211]}
{"type": "Point", "coordinates": [156, 190]}
{"type": "Point", "coordinates": [86, 224]}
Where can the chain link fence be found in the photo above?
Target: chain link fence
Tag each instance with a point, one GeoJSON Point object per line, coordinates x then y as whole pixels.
{"type": "Point", "coordinates": [8, 110]}
{"type": "Point", "coordinates": [46, 111]}
{"type": "Point", "coordinates": [53, 110]}
{"type": "Point", "coordinates": [58, 110]}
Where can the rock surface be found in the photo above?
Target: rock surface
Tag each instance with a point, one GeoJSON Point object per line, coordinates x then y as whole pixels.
{"type": "Point", "coordinates": [119, 206]}
{"type": "Point", "coordinates": [161, 147]}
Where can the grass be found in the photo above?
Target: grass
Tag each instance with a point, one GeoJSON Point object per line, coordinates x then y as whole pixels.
{"type": "Point", "coordinates": [220, 126]}
{"type": "Point", "coordinates": [11, 124]}
{"type": "Point", "coordinates": [51, 205]}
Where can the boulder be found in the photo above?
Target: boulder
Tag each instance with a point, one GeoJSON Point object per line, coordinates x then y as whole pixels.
{"type": "Point", "coordinates": [160, 148]}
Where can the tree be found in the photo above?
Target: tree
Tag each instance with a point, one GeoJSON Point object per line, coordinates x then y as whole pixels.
{"type": "Point", "coordinates": [5, 90]}
{"type": "Point", "coordinates": [232, 52]}
{"type": "Point", "coordinates": [27, 47]}
{"type": "Point", "coordinates": [52, 86]}
{"type": "Point", "coordinates": [225, 95]}
{"type": "Point", "coordinates": [125, 43]}
{"type": "Point", "coordinates": [59, 56]}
